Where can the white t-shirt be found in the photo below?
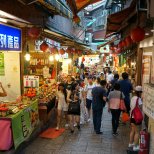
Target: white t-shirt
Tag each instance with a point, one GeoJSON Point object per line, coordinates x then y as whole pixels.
{"type": "Point", "coordinates": [110, 77]}
{"type": "Point", "coordinates": [88, 89]}
{"type": "Point", "coordinates": [133, 103]}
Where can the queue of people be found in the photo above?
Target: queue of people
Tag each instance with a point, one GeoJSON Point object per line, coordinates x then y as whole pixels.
{"type": "Point", "coordinates": [82, 100]}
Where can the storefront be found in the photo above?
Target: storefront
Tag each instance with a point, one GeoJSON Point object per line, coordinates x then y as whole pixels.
{"type": "Point", "coordinates": [148, 88]}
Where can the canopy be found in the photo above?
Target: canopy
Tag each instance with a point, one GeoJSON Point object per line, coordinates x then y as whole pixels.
{"type": "Point", "coordinates": [78, 5]}
{"type": "Point", "coordinates": [117, 21]}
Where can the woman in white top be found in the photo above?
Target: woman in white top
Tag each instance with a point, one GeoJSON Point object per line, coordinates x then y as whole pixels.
{"type": "Point", "coordinates": [62, 105]}
{"type": "Point", "coordinates": [135, 128]}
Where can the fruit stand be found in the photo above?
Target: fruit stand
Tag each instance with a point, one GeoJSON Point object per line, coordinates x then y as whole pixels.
{"type": "Point", "coordinates": [18, 125]}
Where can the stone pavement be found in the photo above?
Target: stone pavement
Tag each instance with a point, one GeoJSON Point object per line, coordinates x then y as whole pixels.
{"type": "Point", "coordinates": [83, 142]}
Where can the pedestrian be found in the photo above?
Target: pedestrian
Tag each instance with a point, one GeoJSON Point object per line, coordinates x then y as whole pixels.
{"type": "Point", "coordinates": [98, 82]}
{"type": "Point", "coordinates": [69, 83]}
{"type": "Point", "coordinates": [135, 128]}
{"type": "Point", "coordinates": [61, 96]}
{"type": "Point", "coordinates": [88, 90]}
{"type": "Point", "coordinates": [126, 88]}
{"type": "Point", "coordinates": [113, 106]}
{"type": "Point", "coordinates": [115, 80]}
{"type": "Point", "coordinates": [98, 103]}
{"type": "Point", "coordinates": [73, 98]}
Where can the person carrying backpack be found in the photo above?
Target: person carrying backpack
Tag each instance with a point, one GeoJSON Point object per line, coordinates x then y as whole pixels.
{"type": "Point", "coordinates": [136, 118]}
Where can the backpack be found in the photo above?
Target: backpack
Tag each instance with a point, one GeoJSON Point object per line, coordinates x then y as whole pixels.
{"type": "Point", "coordinates": [137, 113]}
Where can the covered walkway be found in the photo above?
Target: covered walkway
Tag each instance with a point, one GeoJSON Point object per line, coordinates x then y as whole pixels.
{"type": "Point", "coordinates": [84, 142]}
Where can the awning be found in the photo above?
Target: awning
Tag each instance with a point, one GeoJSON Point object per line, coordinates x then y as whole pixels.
{"type": "Point", "coordinates": [57, 7]}
{"type": "Point", "coordinates": [98, 35]}
{"type": "Point", "coordinates": [78, 5]}
{"type": "Point", "coordinates": [117, 21]}
{"type": "Point", "coordinates": [63, 39]}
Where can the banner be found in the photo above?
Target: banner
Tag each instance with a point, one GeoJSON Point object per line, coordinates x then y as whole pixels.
{"type": "Point", "coordinates": [148, 100]}
{"type": "Point", "coordinates": [2, 68]}
{"type": "Point", "coordinates": [24, 122]}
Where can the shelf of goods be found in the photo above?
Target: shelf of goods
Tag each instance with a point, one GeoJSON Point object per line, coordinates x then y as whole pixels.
{"type": "Point", "coordinates": [19, 123]}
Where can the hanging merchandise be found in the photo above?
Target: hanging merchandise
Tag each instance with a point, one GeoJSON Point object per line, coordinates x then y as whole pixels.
{"type": "Point", "coordinates": [137, 34]}
{"type": "Point", "coordinates": [34, 32]}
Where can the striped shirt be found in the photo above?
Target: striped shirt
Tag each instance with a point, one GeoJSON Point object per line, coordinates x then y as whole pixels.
{"type": "Point", "coordinates": [114, 99]}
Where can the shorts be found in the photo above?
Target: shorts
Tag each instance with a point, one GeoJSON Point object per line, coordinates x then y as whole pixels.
{"type": "Point", "coordinates": [62, 107]}
{"type": "Point", "coordinates": [132, 120]}
{"type": "Point", "coordinates": [88, 103]}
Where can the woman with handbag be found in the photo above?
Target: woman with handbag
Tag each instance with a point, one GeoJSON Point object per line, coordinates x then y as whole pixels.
{"type": "Point", "coordinates": [74, 106]}
{"type": "Point", "coordinates": [136, 102]}
{"type": "Point", "coordinates": [114, 99]}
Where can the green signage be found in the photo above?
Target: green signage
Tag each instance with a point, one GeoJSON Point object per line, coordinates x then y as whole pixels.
{"type": "Point", "coordinates": [24, 122]}
{"type": "Point", "coordinates": [2, 70]}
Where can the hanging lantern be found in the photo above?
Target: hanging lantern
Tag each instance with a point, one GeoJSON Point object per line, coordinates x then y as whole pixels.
{"type": "Point", "coordinates": [123, 43]}
{"type": "Point", "coordinates": [68, 50]}
{"type": "Point", "coordinates": [44, 47]}
{"type": "Point", "coordinates": [76, 19]}
{"type": "Point", "coordinates": [54, 50]}
{"type": "Point", "coordinates": [128, 41]}
{"type": "Point", "coordinates": [137, 34]}
{"type": "Point", "coordinates": [62, 51]}
{"type": "Point", "coordinates": [120, 45]}
{"type": "Point", "coordinates": [34, 32]}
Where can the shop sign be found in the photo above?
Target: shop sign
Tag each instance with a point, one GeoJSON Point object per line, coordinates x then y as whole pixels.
{"type": "Point", "coordinates": [10, 38]}
{"type": "Point", "coordinates": [31, 81]}
{"type": "Point", "coordinates": [24, 122]}
{"type": "Point", "coordinates": [148, 100]}
{"type": "Point", "coordinates": [2, 70]}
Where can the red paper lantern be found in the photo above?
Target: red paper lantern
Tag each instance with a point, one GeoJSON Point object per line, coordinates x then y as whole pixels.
{"type": "Point", "coordinates": [123, 43]}
{"type": "Point", "coordinates": [34, 32]}
{"type": "Point", "coordinates": [128, 41]}
{"type": "Point", "coordinates": [137, 34]}
{"type": "Point", "coordinates": [76, 19]}
{"type": "Point", "coordinates": [54, 50]}
{"type": "Point", "coordinates": [68, 50]}
{"type": "Point", "coordinates": [62, 51]}
{"type": "Point", "coordinates": [44, 47]}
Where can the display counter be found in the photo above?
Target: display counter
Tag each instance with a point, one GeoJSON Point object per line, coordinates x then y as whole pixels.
{"type": "Point", "coordinates": [45, 109]}
{"type": "Point", "coordinates": [16, 128]}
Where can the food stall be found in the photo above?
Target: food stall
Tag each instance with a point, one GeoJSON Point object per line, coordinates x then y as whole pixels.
{"type": "Point", "coordinates": [18, 115]}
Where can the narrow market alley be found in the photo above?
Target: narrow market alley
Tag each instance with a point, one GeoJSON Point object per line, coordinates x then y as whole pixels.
{"type": "Point", "coordinates": [85, 141]}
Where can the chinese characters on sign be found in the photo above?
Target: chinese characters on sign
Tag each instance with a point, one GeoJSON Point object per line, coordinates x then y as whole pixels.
{"type": "Point", "coordinates": [148, 99]}
{"type": "Point", "coordinates": [2, 70]}
{"type": "Point", "coordinates": [10, 38]}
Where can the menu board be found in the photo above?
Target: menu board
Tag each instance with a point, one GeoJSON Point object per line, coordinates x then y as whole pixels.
{"type": "Point", "coordinates": [146, 64]}
{"type": "Point", "coordinates": [31, 81]}
{"type": "Point", "coordinates": [148, 100]}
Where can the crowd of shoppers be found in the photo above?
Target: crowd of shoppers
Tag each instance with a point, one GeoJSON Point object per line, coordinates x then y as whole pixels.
{"type": "Point", "coordinates": [83, 97]}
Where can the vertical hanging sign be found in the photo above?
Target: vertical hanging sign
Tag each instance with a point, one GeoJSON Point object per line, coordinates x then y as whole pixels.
{"type": "Point", "coordinates": [2, 70]}
{"type": "Point", "coordinates": [10, 38]}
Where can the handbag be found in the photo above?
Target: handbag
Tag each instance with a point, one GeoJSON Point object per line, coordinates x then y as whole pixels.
{"type": "Point", "coordinates": [137, 113]}
{"type": "Point", "coordinates": [122, 105]}
{"type": "Point", "coordinates": [74, 108]}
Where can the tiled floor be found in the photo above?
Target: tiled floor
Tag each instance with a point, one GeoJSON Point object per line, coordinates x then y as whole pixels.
{"type": "Point", "coordinates": [84, 142]}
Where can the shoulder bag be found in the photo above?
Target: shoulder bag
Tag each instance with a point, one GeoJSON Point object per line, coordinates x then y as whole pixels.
{"type": "Point", "coordinates": [122, 105]}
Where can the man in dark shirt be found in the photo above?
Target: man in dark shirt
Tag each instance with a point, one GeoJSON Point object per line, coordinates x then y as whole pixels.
{"type": "Point", "coordinates": [126, 87]}
{"type": "Point", "coordinates": [98, 102]}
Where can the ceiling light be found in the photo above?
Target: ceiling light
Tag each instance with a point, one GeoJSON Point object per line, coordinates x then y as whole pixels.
{"type": "Point", "coordinates": [3, 20]}
{"type": "Point", "coordinates": [146, 34]}
{"type": "Point", "coordinates": [152, 30]}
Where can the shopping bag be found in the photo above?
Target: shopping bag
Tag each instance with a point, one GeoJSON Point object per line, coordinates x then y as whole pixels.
{"type": "Point", "coordinates": [137, 113]}
{"type": "Point", "coordinates": [122, 105]}
{"type": "Point", "coordinates": [125, 117]}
